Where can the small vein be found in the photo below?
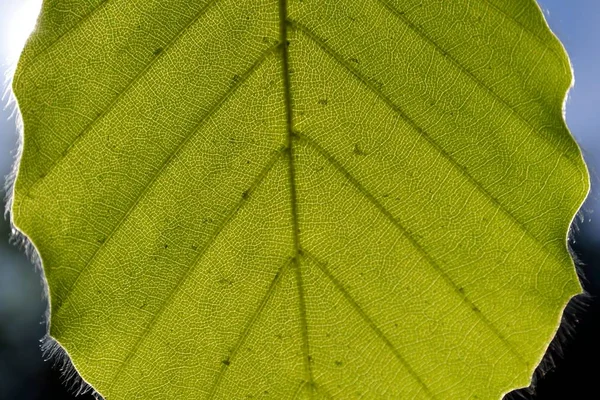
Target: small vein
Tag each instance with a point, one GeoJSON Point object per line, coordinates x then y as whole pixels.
{"type": "Point", "coordinates": [148, 67]}
{"type": "Point", "coordinates": [338, 285]}
{"type": "Point", "coordinates": [164, 166]}
{"type": "Point", "coordinates": [246, 332]}
{"type": "Point", "coordinates": [408, 235]}
{"type": "Point", "coordinates": [195, 263]}
{"type": "Point", "coordinates": [298, 390]}
{"type": "Point", "coordinates": [447, 55]}
{"type": "Point", "coordinates": [424, 134]}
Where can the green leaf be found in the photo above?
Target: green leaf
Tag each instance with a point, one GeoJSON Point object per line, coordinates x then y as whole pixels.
{"type": "Point", "coordinates": [319, 199]}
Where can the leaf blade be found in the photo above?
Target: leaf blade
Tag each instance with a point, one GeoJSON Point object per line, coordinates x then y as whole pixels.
{"type": "Point", "coordinates": [426, 203]}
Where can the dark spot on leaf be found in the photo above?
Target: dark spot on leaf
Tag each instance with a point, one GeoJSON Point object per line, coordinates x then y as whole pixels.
{"type": "Point", "coordinates": [474, 308]}
{"type": "Point", "coordinates": [358, 151]}
{"type": "Point", "coordinates": [166, 246]}
{"type": "Point", "coordinates": [226, 362]}
{"type": "Point", "coordinates": [355, 60]}
{"type": "Point", "coordinates": [225, 282]}
{"type": "Point", "coordinates": [339, 363]}
{"type": "Point", "coordinates": [310, 359]}
{"type": "Point", "coordinates": [246, 194]}
{"type": "Point", "coordinates": [158, 51]}
{"type": "Point", "coordinates": [462, 290]}
{"type": "Point", "coordinates": [378, 84]}
{"type": "Point", "coordinates": [101, 239]}
{"type": "Point", "coordinates": [194, 247]}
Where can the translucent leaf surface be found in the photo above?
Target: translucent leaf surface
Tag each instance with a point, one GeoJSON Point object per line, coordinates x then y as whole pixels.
{"type": "Point", "coordinates": [304, 199]}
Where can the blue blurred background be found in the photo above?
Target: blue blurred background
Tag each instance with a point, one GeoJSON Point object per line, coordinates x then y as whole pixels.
{"type": "Point", "coordinates": [25, 376]}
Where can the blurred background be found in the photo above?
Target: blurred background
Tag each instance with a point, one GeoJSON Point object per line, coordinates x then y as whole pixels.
{"type": "Point", "coordinates": [24, 375]}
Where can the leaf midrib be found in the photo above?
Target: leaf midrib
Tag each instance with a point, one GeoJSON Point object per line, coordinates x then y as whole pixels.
{"type": "Point", "coordinates": [285, 68]}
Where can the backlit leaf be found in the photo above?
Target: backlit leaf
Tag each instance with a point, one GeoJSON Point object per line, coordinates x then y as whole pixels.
{"type": "Point", "coordinates": [299, 199]}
